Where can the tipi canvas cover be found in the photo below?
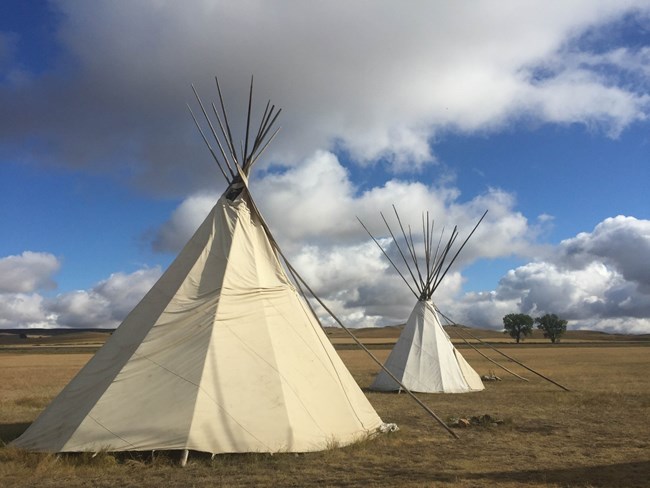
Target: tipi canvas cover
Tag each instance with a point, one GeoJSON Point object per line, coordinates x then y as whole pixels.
{"type": "Point", "coordinates": [222, 355]}
{"type": "Point", "coordinates": [425, 360]}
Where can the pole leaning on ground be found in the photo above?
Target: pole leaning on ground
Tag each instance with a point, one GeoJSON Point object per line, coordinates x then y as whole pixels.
{"type": "Point", "coordinates": [372, 356]}
{"type": "Point", "coordinates": [457, 330]}
{"type": "Point", "coordinates": [510, 358]}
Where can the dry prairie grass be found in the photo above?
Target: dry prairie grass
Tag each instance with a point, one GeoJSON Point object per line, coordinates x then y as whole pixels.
{"type": "Point", "coordinates": [596, 435]}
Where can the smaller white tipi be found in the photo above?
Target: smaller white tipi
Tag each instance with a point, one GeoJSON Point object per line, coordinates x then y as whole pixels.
{"type": "Point", "coordinates": [424, 358]}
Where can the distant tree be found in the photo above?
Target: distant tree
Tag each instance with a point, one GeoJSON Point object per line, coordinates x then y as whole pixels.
{"type": "Point", "coordinates": [552, 325]}
{"type": "Point", "coordinates": [518, 325]}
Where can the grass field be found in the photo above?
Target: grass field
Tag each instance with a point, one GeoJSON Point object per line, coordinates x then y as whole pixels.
{"type": "Point", "coordinates": [596, 435]}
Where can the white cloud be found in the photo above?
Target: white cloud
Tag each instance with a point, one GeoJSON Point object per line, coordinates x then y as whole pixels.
{"type": "Point", "coordinates": [480, 309]}
{"type": "Point", "coordinates": [372, 82]}
{"type": "Point", "coordinates": [622, 243]}
{"type": "Point", "coordinates": [106, 304]}
{"type": "Point", "coordinates": [174, 233]}
{"type": "Point", "coordinates": [316, 202]}
{"type": "Point", "coordinates": [103, 306]}
{"type": "Point", "coordinates": [123, 291]}
{"type": "Point", "coordinates": [28, 272]}
{"type": "Point", "coordinates": [311, 211]}
{"type": "Point", "coordinates": [581, 97]}
{"type": "Point", "coordinates": [378, 81]}
{"type": "Point", "coordinates": [82, 309]}
{"type": "Point", "coordinates": [22, 310]}
{"type": "Point", "coordinates": [597, 280]}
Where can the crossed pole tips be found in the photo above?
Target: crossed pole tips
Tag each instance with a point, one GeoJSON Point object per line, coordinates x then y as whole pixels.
{"type": "Point", "coordinates": [249, 151]}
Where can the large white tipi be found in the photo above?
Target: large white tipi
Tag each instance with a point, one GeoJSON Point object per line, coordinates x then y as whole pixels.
{"type": "Point", "coordinates": [424, 358]}
{"type": "Point", "coordinates": [222, 355]}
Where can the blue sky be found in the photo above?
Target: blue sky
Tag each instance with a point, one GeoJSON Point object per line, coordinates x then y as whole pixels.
{"type": "Point", "coordinates": [538, 113]}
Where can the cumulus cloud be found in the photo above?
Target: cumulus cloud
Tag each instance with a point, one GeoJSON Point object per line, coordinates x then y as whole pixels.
{"type": "Point", "coordinates": [106, 304]}
{"type": "Point", "coordinates": [619, 242]}
{"type": "Point", "coordinates": [316, 202]}
{"type": "Point", "coordinates": [580, 96]}
{"type": "Point", "coordinates": [24, 310]}
{"type": "Point", "coordinates": [377, 82]}
{"type": "Point", "coordinates": [174, 233]}
{"type": "Point", "coordinates": [312, 209]}
{"type": "Point", "coordinates": [28, 272]}
{"type": "Point", "coordinates": [103, 306]}
{"type": "Point", "coordinates": [596, 280]}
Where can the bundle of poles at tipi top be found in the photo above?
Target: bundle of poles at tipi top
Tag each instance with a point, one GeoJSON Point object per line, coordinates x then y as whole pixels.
{"type": "Point", "coordinates": [237, 163]}
{"type": "Point", "coordinates": [431, 272]}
